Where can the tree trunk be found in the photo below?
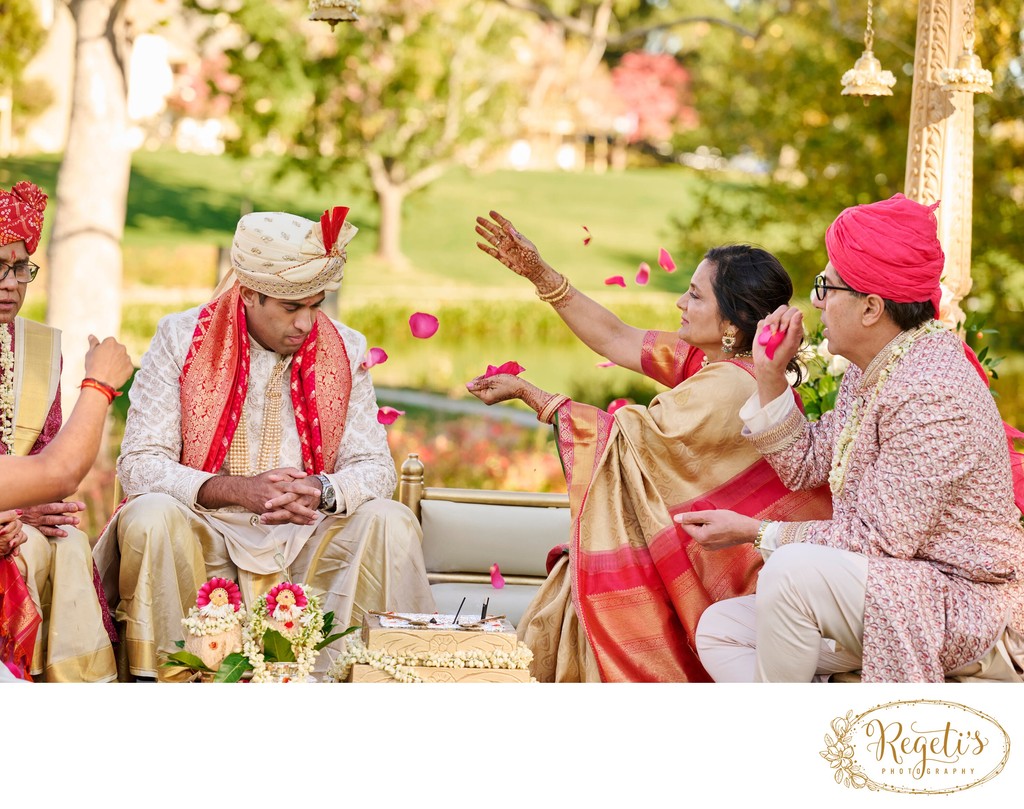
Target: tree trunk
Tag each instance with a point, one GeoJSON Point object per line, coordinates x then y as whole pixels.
{"type": "Point", "coordinates": [84, 256]}
{"type": "Point", "coordinates": [389, 238]}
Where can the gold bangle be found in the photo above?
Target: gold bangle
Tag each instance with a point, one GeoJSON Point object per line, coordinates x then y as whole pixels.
{"type": "Point", "coordinates": [760, 534]}
{"type": "Point", "coordinates": [555, 295]}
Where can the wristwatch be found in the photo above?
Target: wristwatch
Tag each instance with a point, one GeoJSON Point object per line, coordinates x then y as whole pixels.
{"type": "Point", "coordinates": [328, 497]}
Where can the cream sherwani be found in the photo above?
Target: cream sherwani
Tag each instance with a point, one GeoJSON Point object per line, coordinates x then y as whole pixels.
{"type": "Point", "coordinates": [162, 545]}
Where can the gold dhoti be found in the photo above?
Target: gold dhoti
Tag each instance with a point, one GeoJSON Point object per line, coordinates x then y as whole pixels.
{"type": "Point", "coordinates": [157, 553]}
{"type": "Point", "coordinates": [72, 645]}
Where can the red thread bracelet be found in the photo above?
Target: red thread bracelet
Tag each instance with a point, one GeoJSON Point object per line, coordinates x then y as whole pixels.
{"type": "Point", "coordinates": [107, 390]}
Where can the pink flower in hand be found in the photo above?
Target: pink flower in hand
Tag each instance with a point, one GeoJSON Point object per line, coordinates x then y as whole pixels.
{"type": "Point", "coordinates": [388, 415]}
{"type": "Point", "coordinates": [510, 367]}
{"type": "Point", "coordinates": [615, 280]}
{"type": "Point", "coordinates": [423, 325]}
{"type": "Point", "coordinates": [643, 273]}
{"type": "Point", "coordinates": [375, 356]}
{"type": "Point", "coordinates": [497, 581]}
{"type": "Point", "coordinates": [665, 261]}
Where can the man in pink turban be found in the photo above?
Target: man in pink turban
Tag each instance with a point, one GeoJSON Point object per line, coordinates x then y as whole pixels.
{"type": "Point", "coordinates": [918, 575]}
{"type": "Point", "coordinates": [55, 560]}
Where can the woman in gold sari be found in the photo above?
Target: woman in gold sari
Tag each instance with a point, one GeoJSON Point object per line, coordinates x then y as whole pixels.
{"type": "Point", "coordinates": [623, 597]}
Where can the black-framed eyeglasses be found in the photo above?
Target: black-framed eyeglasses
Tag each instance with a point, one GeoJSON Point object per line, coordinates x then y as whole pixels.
{"type": "Point", "coordinates": [24, 271]}
{"type": "Point", "coordinates": [821, 287]}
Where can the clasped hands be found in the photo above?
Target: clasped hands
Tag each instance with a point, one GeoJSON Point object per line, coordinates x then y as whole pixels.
{"type": "Point", "coordinates": [285, 495]}
{"type": "Point", "coordinates": [11, 533]}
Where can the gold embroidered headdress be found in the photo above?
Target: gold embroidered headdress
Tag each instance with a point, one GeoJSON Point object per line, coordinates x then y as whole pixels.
{"type": "Point", "coordinates": [287, 256]}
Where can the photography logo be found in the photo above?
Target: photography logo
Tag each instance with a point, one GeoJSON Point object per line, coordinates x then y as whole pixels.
{"type": "Point", "coordinates": [916, 746]}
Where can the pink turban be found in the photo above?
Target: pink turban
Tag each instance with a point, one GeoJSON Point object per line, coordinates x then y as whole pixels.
{"type": "Point", "coordinates": [21, 215]}
{"type": "Point", "coordinates": [889, 248]}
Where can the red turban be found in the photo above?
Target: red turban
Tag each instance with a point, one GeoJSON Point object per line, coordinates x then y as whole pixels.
{"type": "Point", "coordinates": [889, 248]}
{"type": "Point", "coordinates": [21, 215]}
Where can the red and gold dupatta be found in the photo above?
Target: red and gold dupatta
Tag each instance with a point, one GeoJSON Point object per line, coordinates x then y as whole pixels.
{"type": "Point", "coordinates": [215, 379]}
{"type": "Point", "coordinates": [18, 621]}
{"type": "Point", "coordinates": [639, 583]}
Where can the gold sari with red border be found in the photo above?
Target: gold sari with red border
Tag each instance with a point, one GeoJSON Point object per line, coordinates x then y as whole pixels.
{"type": "Point", "coordinates": [639, 583]}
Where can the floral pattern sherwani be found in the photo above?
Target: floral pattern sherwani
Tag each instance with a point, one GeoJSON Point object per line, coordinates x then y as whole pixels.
{"type": "Point", "coordinates": [927, 497]}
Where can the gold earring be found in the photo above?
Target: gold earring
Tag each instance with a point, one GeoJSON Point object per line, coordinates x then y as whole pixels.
{"type": "Point", "coordinates": [729, 341]}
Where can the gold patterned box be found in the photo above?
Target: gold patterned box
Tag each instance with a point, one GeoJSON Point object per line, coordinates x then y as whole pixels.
{"type": "Point", "coordinates": [419, 640]}
{"type": "Point", "coordinates": [362, 673]}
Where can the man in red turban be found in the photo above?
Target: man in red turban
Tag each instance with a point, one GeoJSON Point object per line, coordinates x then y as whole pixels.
{"type": "Point", "coordinates": [919, 575]}
{"type": "Point", "coordinates": [55, 559]}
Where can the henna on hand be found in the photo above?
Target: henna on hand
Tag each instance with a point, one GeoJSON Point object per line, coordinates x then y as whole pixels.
{"type": "Point", "coordinates": [515, 251]}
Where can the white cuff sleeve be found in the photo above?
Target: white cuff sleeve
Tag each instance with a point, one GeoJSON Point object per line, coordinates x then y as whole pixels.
{"type": "Point", "coordinates": [757, 419]}
{"type": "Point", "coordinates": [770, 539]}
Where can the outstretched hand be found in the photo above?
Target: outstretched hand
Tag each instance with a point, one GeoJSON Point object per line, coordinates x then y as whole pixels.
{"type": "Point", "coordinates": [510, 247]}
{"type": "Point", "coordinates": [718, 528]}
{"type": "Point", "coordinates": [498, 388]}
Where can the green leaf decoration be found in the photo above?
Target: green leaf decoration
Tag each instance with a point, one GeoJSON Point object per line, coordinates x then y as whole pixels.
{"type": "Point", "coordinates": [277, 648]}
{"type": "Point", "coordinates": [328, 622]}
{"type": "Point", "coordinates": [232, 668]}
{"type": "Point", "coordinates": [185, 660]}
{"type": "Point", "coordinates": [180, 644]}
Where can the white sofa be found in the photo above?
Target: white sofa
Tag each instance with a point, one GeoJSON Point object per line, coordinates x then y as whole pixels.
{"type": "Point", "coordinates": [465, 531]}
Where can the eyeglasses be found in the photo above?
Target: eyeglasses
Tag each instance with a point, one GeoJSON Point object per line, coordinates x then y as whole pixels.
{"type": "Point", "coordinates": [821, 288]}
{"type": "Point", "coordinates": [24, 271]}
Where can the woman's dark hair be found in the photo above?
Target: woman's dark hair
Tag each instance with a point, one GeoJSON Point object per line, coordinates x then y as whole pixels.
{"type": "Point", "coordinates": [749, 284]}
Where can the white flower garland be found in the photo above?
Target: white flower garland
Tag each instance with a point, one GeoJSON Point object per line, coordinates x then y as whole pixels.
{"type": "Point", "coordinates": [844, 444]}
{"type": "Point", "coordinates": [304, 640]}
{"type": "Point", "coordinates": [400, 666]}
{"type": "Point", "coordinates": [201, 624]}
{"type": "Point", "coordinates": [6, 389]}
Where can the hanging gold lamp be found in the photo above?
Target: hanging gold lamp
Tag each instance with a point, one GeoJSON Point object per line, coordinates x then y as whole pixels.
{"type": "Point", "coordinates": [968, 76]}
{"type": "Point", "coordinates": [334, 11]}
{"type": "Point", "coordinates": [867, 78]}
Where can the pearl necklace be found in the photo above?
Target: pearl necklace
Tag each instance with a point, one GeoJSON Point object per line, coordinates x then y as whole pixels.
{"type": "Point", "coordinates": [887, 359]}
{"type": "Point", "coordinates": [6, 390]}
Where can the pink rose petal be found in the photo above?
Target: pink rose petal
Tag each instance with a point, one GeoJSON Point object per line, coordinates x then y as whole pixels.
{"type": "Point", "coordinates": [375, 356]}
{"type": "Point", "coordinates": [497, 580]}
{"type": "Point", "coordinates": [643, 273]}
{"type": "Point", "coordinates": [615, 280]}
{"type": "Point", "coordinates": [588, 237]}
{"type": "Point", "coordinates": [388, 415]}
{"type": "Point", "coordinates": [606, 365]}
{"type": "Point", "coordinates": [423, 325]}
{"type": "Point", "coordinates": [510, 367]}
{"type": "Point", "coordinates": [615, 405]}
{"type": "Point", "coordinates": [665, 261]}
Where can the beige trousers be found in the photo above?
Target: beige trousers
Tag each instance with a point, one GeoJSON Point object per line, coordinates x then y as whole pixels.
{"type": "Point", "coordinates": [72, 645]}
{"type": "Point", "coordinates": [807, 595]}
{"type": "Point", "coordinates": [369, 560]}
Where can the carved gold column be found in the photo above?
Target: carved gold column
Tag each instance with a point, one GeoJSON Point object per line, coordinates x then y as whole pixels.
{"type": "Point", "coordinates": [940, 149]}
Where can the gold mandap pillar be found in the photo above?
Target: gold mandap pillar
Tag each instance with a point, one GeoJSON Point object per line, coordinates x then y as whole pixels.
{"type": "Point", "coordinates": [940, 148]}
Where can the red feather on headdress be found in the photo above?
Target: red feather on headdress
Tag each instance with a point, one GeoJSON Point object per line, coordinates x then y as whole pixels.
{"type": "Point", "coordinates": [331, 223]}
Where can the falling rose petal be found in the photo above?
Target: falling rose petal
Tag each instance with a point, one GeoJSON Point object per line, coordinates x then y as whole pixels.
{"type": "Point", "coordinates": [388, 415]}
{"type": "Point", "coordinates": [510, 367]}
{"type": "Point", "coordinates": [665, 261]}
{"type": "Point", "coordinates": [613, 406]}
{"type": "Point", "coordinates": [497, 581]}
{"type": "Point", "coordinates": [606, 365]}
{"type": "Point", "coordinates": [375, 356]}
{"type": "Point", "coordinates": [588, 237]}
{"type": "Point", "coordinates": [423, 325]}
{"type": "Point", "coordinates": [615, 280]}
{"type": "Point", "coordinates": [643, 273]}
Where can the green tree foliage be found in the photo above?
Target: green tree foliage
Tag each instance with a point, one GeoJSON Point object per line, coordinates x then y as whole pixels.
{"type": "Point", "coordinates": [410, 90]}
{"type": "Point", "coordinates": [22, 37]}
